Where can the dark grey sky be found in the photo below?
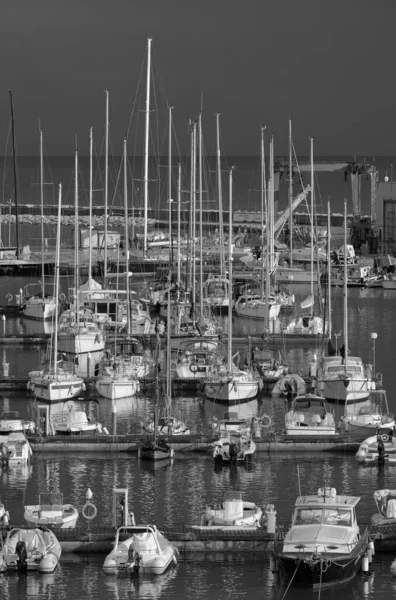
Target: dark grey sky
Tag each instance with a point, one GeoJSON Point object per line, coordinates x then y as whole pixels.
{"type": "Point", "coordinates": [330, 65]}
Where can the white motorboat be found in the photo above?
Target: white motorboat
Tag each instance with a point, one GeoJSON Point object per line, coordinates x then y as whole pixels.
{"type": "Point", "coordinates": [51, 512]}
{"type": "Point", "coordinates": [167, 425]}
{"type": "Point", "coordinates": [230, 423]}
{"type": "Point", "coordinates": [305, 325]}
{"type": "Point", "coordinates": [310, 415]}
{"type": "Point", "coordinates": [234, 448]}
{"type": "Point", "coordinates": [140, 548]}
{"type": "Point", "coordinates": [11, 421]}
{"type": "Point", "coordinates": [383, 522]}
{"type": "Point", "coordinates": [344, 380]}
{"type": "Point", "coordinates": [232, 513]}
{"type": "Point", "coordinates": [367, 417]}
{"type": "Point", "coordinates": [256, 305]}
{"type": "Point", "coordinates": [15, 448]}
{"type": "Point", "coordinates": [30, 550]}
{"type": "Point", "coordinates": [324, 545]}
{"type": "Point", "coordinates": [74, 422]}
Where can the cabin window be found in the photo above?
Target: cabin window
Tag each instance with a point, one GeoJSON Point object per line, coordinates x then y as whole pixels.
{"type": "Point", "coordinates": [308, 516]}
{"type": "Point", "coordinates": [337, 516]}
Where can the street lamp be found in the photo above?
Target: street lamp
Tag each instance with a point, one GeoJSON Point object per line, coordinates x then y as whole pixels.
{"type": "Point", "coordinates": [374, 337]}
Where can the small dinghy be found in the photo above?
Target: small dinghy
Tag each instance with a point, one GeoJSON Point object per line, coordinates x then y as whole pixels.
{"type": "Point", "coordinates": [15, 448]}
{"type": "Point", "coordinates": [378, 449]}
{"type": "Point", "coordinates": [383, 522]}
{"type": "Point", "coordinates": [233, 512]}
{"type": "Point", "coordinates": [51, 512]}
{"type": "Point", "coordinates": [75, 422]}
{"type": "Point", "coordinates": [234, 449]}
{"type": "Point", "coordinates": [140, 548]}
{"type": "Point", "coordinates": [30, 550]}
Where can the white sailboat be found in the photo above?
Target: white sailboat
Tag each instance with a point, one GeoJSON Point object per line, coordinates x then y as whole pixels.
{"type": "Point", "coordinates": [38, 305]}
{"type": "Point", "coordinates": [343, 378]}
{"type": "Point", "coordinates": [55, 383]}
{"type": "Point", "coordinates": [79, 337]}
{"type": "Point", "coordinates": [228, 383]}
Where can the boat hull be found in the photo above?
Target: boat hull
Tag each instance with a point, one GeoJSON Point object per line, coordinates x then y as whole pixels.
{"type": "Point", "coordinates": [115, 390]}
{"type": "Point", "coordinates": [55, 389]}
{"type": "Point", "coordinates": [231, 392]}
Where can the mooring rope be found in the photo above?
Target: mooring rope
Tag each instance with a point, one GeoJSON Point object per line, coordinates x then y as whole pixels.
{"type": "Point", "coordinates": [291, 580]}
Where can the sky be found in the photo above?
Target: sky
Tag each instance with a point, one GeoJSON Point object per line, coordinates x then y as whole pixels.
{"type": "Point", "coordinates": [327, 65]}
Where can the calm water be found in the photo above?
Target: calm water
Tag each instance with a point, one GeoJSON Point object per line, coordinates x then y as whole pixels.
{"type": "Point", "coordinates": [177, 492]}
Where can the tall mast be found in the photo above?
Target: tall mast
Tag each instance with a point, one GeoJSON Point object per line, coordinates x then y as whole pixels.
{"type": "Point", "coordinates": [57, 259]}
{"type": "Point", "coordinates": [106, 190]}
{"type": "Point", "coordinates": [345, 288]}
{"type": "Point", "coordinates": [230, 259]}
{"type": "Point", "coordinates": [200, 213]}
{"type": "Point", "coordinates": [146, 146]}
{"type": "Point", "coordinates": [269, 218]}
{"type": "Point", "coordinates": [76, 230]}
{"type": "Point", "coordinates": [329, 326]}
{"type": "Point", "coordinates": [42, 213]}
{"type": "Point", "coordinates": [194, 202]}
{"type": "Point", "coordinates": [126, 240]}
{"type": "Point", "coordinates": [90, 203]}
{"type": "Point", "coordinates": [191, 231]}
{"type": "Point", "coordinates": [312, 217]}
{"type": "Point", "coordinates": [264, 206]}
{"type": "Point", "coordinates": [220, 197]}
{"type": "Point", "coordinates": [168, 325]}
{"type": "Point", "coordinates": [15, 177]}
{"type": "Point", "coordinates": [290, 194]}
{"type": "Point", "coordinates": [178, 223]}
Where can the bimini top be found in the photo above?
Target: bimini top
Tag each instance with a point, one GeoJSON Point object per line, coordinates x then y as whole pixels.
{"type": "Point", "coordinates": [327, 495]}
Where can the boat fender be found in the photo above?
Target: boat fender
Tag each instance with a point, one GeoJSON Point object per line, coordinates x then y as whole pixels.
{"type": "Point", "coordinates": [385, 437]}
{"type": "Point", "coordinates": [266, 421]}
{"type": "Point", "coordinates": [193, 368]}
{"type": "Point", "coordinates": [174, 559]}
{"type": "Point", "coordinates": [87, 515]}
{"type": "Point", "coordinates": [99, 428]}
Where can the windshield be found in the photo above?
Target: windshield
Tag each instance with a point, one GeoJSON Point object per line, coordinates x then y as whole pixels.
{"type": "Point", "coordinates": [329, 516]}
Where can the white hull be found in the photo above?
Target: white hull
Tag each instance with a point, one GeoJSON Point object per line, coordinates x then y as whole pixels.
{"type": "Point", "coordinates": [32, 516]}
{"type": "Point", "coordinates": [257, 309]}
{"type": "Point", "coordinates": [358, 389]}
{"type": "Point", "coordinates": [289, 275]}
{"type": "Point", "coordinates": [15, 448]}
{"type": "Point", "coordinates": [55, 387]}
{"type": "Point", "coordinates": [38, 544]}
{"type": "Point", "coordinates": [115, 389]}
{"type": "Point", "coordinates": [231, 391]}
{"type": "Point", "coordinates": [39, 310]}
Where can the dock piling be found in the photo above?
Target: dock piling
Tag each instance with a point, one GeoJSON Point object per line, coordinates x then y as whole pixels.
{"type": "Point", "coordinates": [3, 319]}
{"type": "Point", "coordinates": [114, 418]}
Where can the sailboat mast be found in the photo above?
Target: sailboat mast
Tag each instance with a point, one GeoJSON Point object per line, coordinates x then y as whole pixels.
{"type": "Point", "coordinates": [194, 202]}
{"type": "Point", "coordinates": [90, 203]}
{"type": "Point", "coordinates": [146, 146]}
{"type": "Point", "coordinates": [57, 259]}
{"type": "Point", "coordinates": [106, 190]}
{"type": "Point", "coordinates": [220, 195]}
{"type": "Point", "coordinates": [329, 271]}
{"type": "Point", "coordinates": [345, 288]}
{"type": "Point", "coordinates": [15, 178]}
{"type": "Point", "coordinates": [200, 213]}
{"type": "Point", "coordinates": [76, 232]}
{"type": "Point", "coordinates": [129, 323]}
{"type": "Point", "coordinates": [168, 325]}
{"type": "Point", "coordinates": [263, 203]}
{"type": "Point", "coordinates": [230, 259]}
{"type": "Point", "coordinates": [268, 236]}
{"type": "Point", "coordinates": [290, 194]}
{"type": "Point", "coordinates": [178, 224]}
{"type": "Point", "coordinates": [42, 214]}
{"type": "Point", "coordinates": [312, 218]}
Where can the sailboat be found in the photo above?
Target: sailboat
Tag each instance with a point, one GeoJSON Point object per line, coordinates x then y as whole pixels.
{"type": "Point", "coordinates": [79, 336]}
{"type": "Point", "coordinates": [156, 448]}
{"type": "Point", "coordinates": [343, 378]}
{"type": "Point", "coordinates": [55, 383]}
{"type": "Point", "coordinates": [40, 307]}
{"type": "Point", "coordinates": [227, 383]}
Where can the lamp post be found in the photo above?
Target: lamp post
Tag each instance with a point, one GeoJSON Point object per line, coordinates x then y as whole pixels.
{"type": "Point", "coordinates": [374, 337]}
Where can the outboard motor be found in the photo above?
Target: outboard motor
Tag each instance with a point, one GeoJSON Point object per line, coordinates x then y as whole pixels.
{"type": "Point", "coordinates": [233, 453]}
{"type": "Point", "coordinates": [21, 551]}
{"type": "Point", "coordinates": [134, 561]}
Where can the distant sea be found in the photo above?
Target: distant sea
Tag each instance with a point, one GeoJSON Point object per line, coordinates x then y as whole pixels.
{"type": "Point", "coordinates": [329, 186]}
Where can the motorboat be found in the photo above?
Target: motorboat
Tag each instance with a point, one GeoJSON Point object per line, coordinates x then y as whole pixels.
{"type": "Point", "coordinates": [232, 513]}
{"type": "Point", "coordinates": [140, 548]}
{"type": "Point", "coordinates": [11, 421]}
{"type": "Point", "coordinates": [370, 450]}
{"type": "Point", "coordinates": [15, 448]}
{"type": "Point", "coordinates": [30, 550]}
{"type": "Point", "coordinates": [324, 545]}
{"type": "Point", "coordinates": [310, 415]}
{"type": "Point", "coordinates": [342, 379]}
{"type": "Point", "coordinates": [365, 419]}
{"type": "Point", "coordinates": [230, 423]}
{"type": "Point", "coordinates": [233, 449]}
{"type": "Point", "coordinates": [51, 512]}
{"type": "Point", "coordinates": [383, 522]}
{"type": "Point", "coordinates": [255, 306]}
{"type": "Point", "coordinates": [74, 422]}
{"type": "Point", "coordinates": [305, 326]}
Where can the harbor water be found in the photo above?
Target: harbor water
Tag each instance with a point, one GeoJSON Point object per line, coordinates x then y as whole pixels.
{"type": "Point", "coordinates": [176, 493]}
